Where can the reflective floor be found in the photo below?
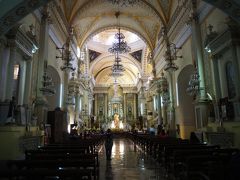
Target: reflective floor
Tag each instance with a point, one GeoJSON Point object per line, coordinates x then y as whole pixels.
{"type": "Point", "coordinates": [128, 163]}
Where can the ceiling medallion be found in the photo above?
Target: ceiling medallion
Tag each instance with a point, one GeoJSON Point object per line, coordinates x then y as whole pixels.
{"type": "Point", "coordinates": [124, 2]}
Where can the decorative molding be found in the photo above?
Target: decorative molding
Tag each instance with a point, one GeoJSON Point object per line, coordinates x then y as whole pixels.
{"type": "Point", "coordinates": [231, 8]}
{"type": "Point", "coordinates": [10, 19]}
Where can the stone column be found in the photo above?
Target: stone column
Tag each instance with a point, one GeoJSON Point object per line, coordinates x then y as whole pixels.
{"type": "Point", "coordinates": [159, 107]}
{"type": "Point", "coordinates": [134, 107]}
{"type": "Point", "coordinates": [77, 107]}
{"type": "Point", "coordinates": [172, 102]}
{"type": "Point", "coordinates": [197, 44]}
{"type": "Point", "coordinates": [125, 107]}
{"type": "Point", "coordinates": [10, 69]}
{"type": "Point", "coordinates": [4, 52]}
{"type": "Point", "coordinates": [21, 87]}
{"type": "Point", "coordinates": [65, 93]}
{"type": "Point", "coordinates": [96, 112]}
{"type": "Point", "coordinates": [41, 102]}
{"type": "Point", "coordinates": [201, 102]}
{"type": "Point", "coordinates": [28, 81]}
{"type": "Point", "coordinates": [105, 107]}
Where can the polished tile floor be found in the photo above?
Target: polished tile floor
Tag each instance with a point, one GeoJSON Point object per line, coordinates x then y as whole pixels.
{"type": "Point", "coordinates": [128, 163]}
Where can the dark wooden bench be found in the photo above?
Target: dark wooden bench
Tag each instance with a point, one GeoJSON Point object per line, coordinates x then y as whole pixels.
{"type": "Point", "coordinates": [84, 164]}
{"type": "Point", "coordinates": [41, 174]}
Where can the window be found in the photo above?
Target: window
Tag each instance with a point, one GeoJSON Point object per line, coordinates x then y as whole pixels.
{"type": "Point", "coordinates": [16, 71]}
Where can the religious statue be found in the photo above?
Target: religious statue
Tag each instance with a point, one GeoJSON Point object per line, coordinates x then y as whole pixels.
{"type": "Point", "coordinates": [116, 121]}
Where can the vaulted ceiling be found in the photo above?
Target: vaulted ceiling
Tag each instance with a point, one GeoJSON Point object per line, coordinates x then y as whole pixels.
{"type": "Point", "coordinates": [90, 18]}
{"type": "Point", "coordinates": [144, 18]}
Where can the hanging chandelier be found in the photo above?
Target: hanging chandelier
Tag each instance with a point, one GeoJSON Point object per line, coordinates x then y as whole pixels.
{"type": "Point", "coordinates": [165, 99]}
{"type": "Point", "coordinates": [163, 83]}
{"type": "Point", "coordinates": [170, 54]}
{"type": "Point", "coordinates": [123, 2]}
{"type": "Point", "coordinates": [70, 100]}
{"type": "Point", "coordinates": [66, 54]}
{"type": "Point", "coordinates": [170, 57]}
{"type": "Point", "coordinates": [193, 88]}
{"type": "Point", "coordinates": [119, 46]}
{"type": "Point", "coordinates": [47, 85]}
{"type": "Point", "coordinates": [117, 68]}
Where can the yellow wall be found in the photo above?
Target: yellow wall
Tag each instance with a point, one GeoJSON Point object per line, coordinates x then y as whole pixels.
{"type": "Point", "coordinates": [185, 131]}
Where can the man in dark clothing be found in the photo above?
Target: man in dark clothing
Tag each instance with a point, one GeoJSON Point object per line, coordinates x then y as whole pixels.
{"type": "Point", "coordinates": [108, 144]}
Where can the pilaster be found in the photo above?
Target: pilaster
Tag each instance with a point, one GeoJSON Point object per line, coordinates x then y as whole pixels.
{"type": "Point", "coordinates": [28, 81]}
{"type": "Point", "coordinates": [5, 53]}
{"type": "Point", "coordinates": [10, 69]}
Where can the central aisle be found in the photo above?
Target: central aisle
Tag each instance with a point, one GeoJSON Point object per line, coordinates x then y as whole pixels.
{"type": "Point", "coordinates": [128, 163]}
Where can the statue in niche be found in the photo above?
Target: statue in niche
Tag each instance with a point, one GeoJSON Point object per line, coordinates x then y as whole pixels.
{"type": "Point", "coordinates": [116, 120]}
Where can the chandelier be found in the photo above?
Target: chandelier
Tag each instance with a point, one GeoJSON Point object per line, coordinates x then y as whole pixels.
{"type": "Point", "coordinates": [119, 46]}
{"type": "Point", "coordinates": [66, 54]}
{"type": "Point", "coordinates": [163, 84]}
{"type": "Point", "coordinates": [170, 54]}
{"type": "Point", "coordinates": [70, 100]}
{"type": "Point", "coordinates": [47, 85]}
{"type": "Point", "coordinates": [124, 2]}
{"type": "Point", "coordinates": [193, 88]}
{"type": "Point", "coordinates": [170, 57]}
{"type": "Point", "coordinates": [165, 99]}
{"type": "Point", "coordinates": [117, 68]}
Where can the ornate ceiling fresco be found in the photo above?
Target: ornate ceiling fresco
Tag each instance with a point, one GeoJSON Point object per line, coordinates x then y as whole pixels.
{"type": "Point", "coordinates": [91, 17]}
{"type": "Point", "coordinates": [95, 25]}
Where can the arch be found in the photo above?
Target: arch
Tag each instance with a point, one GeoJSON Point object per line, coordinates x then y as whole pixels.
{"type": "Point", "coordinates": [54, 101]}
{"type": "Point", "coordinates": [185, 110]}
{"type": "Point", "coordinates": [142, 3]}
{"type": "Point", "coordinates": [100, 58]}
{"type": "Point", "coordinates": [108, 27]}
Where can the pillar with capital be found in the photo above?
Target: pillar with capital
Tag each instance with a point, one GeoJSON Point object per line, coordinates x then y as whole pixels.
{"type": "Point", "coordinates": [40, 101]}
{"type": "Point", "coordinates": [201, 103]}
{"type": "Point", "coordinates": [5, 52]}
{"type": "Point", "coordinates": [28, 81]}
{"type": "Point", "coordinates": [160, 119]}
{"type": "Point", "coordinates": [10, 69]}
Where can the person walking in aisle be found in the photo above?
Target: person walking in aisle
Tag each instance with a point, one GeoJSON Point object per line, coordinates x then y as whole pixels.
{"type": "Point", "coordinates": [108, 144]}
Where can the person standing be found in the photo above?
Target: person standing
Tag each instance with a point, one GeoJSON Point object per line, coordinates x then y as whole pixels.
{"type": "Point", "coordinates": [108, 144]}
{"type": "Point", "coordinates": [11, 111]}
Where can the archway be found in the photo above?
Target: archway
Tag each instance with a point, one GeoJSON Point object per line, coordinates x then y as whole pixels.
{"type": "Point", "coordinates": [185, 108]}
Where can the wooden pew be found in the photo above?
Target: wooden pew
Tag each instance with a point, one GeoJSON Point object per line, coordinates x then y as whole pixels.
{"type": "Point", "coordinates": [55, 165]}
{"type": "Point", "coordinates": [41, 174]}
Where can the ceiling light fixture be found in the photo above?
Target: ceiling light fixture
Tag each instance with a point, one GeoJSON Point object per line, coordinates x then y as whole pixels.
{"type": "Point", "coordinates": [123, 2]}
